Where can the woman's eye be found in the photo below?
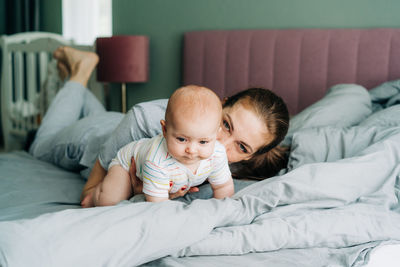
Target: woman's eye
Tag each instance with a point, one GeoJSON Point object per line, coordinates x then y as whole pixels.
{"type": "Point", "coordinates": [181, 139]}
{"type": "Point", "coordinates": [242, 148]}
{"type": "Point", "coordinates": [226, 125]}
{"type": "Point", "coordinates": [203, 142]}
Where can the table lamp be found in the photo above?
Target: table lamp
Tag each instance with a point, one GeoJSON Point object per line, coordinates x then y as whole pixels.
{"type": "Point", "coordinates": [123, 59]}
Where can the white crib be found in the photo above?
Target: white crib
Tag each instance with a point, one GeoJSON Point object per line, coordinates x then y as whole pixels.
{"type": "Point", "coordinates": [26, 58]}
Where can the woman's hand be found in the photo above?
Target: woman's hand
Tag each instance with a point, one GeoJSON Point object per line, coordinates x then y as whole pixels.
{"type": "Point", "coordinates": [137, 184]}
{"type": "Point", "coordinates": [182, 191]}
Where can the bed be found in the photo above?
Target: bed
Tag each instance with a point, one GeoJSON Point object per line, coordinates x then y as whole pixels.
{"type": "Point", "coordinates": [336, 203]}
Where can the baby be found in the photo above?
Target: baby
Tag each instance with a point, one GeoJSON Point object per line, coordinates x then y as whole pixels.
{"type": "Point", "coordinates": [185, 154]}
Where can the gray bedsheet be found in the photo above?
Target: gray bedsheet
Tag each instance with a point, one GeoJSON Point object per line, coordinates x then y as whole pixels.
{"type": "Point", "coordinates": [353, 207]}
{"type": "Point", "coordinates": [30, 187]}
{"type": "Point", "coordinates": [337, 201]}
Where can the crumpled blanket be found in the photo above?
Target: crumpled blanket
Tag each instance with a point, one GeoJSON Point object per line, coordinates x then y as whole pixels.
{"type": "Point", "coordinates": [342, 196]}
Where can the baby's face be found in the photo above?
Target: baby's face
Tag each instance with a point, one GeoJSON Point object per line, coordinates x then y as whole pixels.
{"type": "Point", "coordinates": [190, 140]}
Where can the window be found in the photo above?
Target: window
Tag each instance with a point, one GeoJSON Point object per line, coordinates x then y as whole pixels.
{"type": "Point", "coordinates": [85, 20]}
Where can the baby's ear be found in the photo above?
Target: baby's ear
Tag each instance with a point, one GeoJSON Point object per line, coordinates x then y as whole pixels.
{"type": "Point", "coordinates": [163, 127]}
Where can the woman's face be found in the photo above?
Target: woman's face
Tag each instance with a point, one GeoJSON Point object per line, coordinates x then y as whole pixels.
{"type": "Point", "coordinates": [242, 132]}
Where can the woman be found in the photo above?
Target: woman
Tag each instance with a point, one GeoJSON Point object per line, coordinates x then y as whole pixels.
{"type": "Point", "coordinates": [254, 122]}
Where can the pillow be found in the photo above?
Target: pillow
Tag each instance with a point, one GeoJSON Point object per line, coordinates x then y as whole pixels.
{"type": "Point", "coordinates": [344, 105]}
{"type": "Point", "coordinates": [388, 117]}
{"type": "Point", "coordinates": [328, 144]}
{"type": "Point", "coordinates": [323, 144]}
{"type": "Point", "coordinates": [385, 95]}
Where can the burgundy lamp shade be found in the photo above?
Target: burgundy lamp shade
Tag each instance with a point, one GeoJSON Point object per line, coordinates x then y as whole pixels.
{"type": "Point", "coordinates": [123, 59]}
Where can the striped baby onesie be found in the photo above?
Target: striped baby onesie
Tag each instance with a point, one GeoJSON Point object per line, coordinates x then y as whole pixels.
{"type": "Point", "coordinates": [156, 168]}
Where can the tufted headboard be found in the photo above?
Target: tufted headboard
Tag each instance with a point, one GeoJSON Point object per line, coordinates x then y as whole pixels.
{"type": "Point", "coordinates": [297, 64]}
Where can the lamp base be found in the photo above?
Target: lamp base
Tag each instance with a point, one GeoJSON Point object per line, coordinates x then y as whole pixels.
{"type": "Point", "coordinates": [123, 97]}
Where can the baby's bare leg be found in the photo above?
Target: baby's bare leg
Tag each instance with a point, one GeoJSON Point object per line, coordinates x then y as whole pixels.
{"type": "Point", "coordinates": [115, 187]}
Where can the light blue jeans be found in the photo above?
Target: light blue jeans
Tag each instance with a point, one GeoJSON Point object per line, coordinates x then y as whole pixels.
{"type": "Point", "coordinates": [73, 129]}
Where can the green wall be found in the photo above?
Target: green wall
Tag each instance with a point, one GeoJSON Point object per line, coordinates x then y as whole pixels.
{"type": "Point", "coordinates": [51, 16]}
{"type": "Point", "coordinates": [2, 17]}
{"type": "Point", "coordinates": [166, 21]}
{"type": "Point", "coordinates": [2, 31]}
{"type": "Point", "coordinates": [50, 20]}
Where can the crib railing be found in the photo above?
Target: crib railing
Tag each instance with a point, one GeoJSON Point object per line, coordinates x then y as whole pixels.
{"type": "Point", "coordinates": [25, 65]}
{"type": "Point", "coordinates": [25, 59]}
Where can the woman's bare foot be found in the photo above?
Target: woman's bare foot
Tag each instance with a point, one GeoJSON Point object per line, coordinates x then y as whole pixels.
{"type": "Point", "coordinates": [63, 70]}
{"type": "Point", "coordinates": [80, 64]}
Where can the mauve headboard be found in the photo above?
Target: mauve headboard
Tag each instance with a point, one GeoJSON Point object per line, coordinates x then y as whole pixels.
{"type": "Point", "coordinates": [298, 64]}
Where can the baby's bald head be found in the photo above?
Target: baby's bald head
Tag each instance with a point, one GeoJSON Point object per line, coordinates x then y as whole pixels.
{"type": "Point", "coordinates": [194, 103]}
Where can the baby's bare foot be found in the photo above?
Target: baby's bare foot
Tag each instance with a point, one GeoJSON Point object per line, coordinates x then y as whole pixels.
{"type": "Point", "coordinates": [79, 63]}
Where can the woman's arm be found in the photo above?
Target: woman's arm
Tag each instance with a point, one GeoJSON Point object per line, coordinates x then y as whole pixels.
{"type": "Point", "coordinates": [142, 121]}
